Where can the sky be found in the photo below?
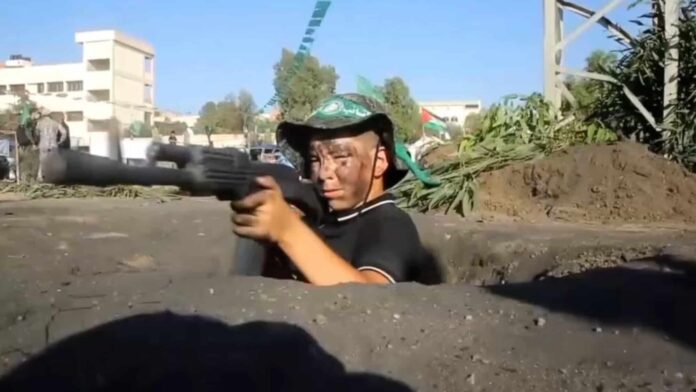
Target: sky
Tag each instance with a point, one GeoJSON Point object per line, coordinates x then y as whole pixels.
{"type": "Point", "coordinates": [443, 49]}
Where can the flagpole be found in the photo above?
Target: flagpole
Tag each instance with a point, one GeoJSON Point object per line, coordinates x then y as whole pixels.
{"type": "Point", "coordinates": [422, 124]}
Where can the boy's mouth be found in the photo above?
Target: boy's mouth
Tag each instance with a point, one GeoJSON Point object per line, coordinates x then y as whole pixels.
{"type": "Point", "coordinates": [331, 193]}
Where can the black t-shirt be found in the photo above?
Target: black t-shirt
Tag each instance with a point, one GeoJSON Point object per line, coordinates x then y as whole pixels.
{"type": "Point", "coordinates": [378, 236]}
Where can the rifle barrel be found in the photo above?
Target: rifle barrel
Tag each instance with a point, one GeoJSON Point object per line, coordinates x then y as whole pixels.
{"type": "Point", "coordinates": [74, 167]}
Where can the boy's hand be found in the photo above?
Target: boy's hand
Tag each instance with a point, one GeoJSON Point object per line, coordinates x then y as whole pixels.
{"type": "Point", "coordinates": [263, 215]}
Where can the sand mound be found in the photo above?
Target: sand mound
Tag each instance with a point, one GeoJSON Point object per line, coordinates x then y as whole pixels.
{"type": "Point", "coordinates": [621, 183]}
{"type": "Point", "coordinates": [439, 153]}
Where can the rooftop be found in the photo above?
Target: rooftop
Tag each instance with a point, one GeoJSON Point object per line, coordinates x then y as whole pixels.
{"type": "Point", "coordinates": [114, 35]}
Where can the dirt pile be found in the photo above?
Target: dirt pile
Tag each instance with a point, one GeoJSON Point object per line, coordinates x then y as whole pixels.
{"type": "Point", "coordinates": [621, 183]}
{"type": "Point", "coordinates": [439, 154]}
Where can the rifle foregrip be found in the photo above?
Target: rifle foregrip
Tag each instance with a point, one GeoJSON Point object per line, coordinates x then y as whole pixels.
{"type": "Point", "coordinates": [301, 195]}
{"type": "Point", "coordinates": [304, 197]}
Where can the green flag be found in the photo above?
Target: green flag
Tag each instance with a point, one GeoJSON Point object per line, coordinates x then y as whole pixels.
{"type": "Point", "coordinates": [365, 87]}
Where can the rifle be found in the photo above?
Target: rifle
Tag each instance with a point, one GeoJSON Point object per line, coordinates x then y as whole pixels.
{"type": "Point", "coordinates": [226, 173]}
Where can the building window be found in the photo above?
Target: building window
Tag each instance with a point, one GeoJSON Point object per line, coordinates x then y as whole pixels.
{"type": "Point", "coordinates": [147, 93]}
{"type": "Point", "coordinates": [3, 89]}
{"type": "Point", "coordinates": [445, 119]}
{"type": "Point", "coordinates": [40, 88]}
{"type": "Point", "coordinates": [148, 64]}
{"type": "Point", "coordinates": [471, 106]}
{"type": "Point", "coordinates": [17, 88]}
{"type": "Point", "coordinates": [99, 95]}
{"type": "Point", "coordinates": [75, 85]}
{"type": "Point", "coordinates": [455, 119]}
{"type": "Point", "coordinates": [99, 65]}
{"type": "Point", "coordinates": [55, 87]}
{"type": "Point", "coordinates": [74, 116]}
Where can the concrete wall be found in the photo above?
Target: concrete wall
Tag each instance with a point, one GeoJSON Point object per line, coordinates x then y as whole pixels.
{"type": "Point", "coordinates": [220, 140]}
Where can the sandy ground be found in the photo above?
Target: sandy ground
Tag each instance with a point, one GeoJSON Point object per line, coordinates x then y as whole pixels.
{"type": "Point", "coordinates": [527, 308]}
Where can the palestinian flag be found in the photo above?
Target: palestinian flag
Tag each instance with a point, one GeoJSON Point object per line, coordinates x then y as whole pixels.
{"type": "Point", "coordinates": [432, 122]}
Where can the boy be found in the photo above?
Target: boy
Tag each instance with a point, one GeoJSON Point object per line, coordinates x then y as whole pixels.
{"type": "Point", "coordinates": [347, 149]}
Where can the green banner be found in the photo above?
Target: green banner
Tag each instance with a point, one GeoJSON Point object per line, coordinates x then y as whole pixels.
{"type": "Point", "coordinates": [320, 10]}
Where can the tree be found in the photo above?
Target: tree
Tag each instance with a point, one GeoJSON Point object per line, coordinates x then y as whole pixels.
{"type": "Point", "coordinates": [601, 61]}
{"type": "Point", "coordinates": [587, 91]}
{"type": "Point", "coordinates": [233, 114]}
{"type": "Point", "coordinates": [641, 69]}
{"type": "Point", "coordinates": [229, 119]}
{"type": "Point", "coordinates": [207, 117]}
{"type": "Point", "coordinates": [403, 110]}
{"type": "Point", "coordinates": [247, 109]}
{"type": "Point", "coordinates": [473, 122]}
{"type": "Point", "coordinates": [302, 83]}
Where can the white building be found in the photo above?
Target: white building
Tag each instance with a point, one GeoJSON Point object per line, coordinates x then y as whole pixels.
{"type": "Point", "coordinates": [452, 111]}
{"type": "Point", "coordinates": [170, 116]}
{"type": "Point", "coordinates": [110, 88]}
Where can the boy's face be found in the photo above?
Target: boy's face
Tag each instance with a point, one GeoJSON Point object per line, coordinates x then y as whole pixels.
{"type": "Point", "coordinates": [342, 168]}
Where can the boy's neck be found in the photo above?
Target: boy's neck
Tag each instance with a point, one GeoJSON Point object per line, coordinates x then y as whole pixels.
{"type": "Point", "coordinates": [376, 191]}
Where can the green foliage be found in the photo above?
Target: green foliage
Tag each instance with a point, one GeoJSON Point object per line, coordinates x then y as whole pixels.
{"type": "Point", "coordinates": [587, 91]}
{"type": "Point", "coordinates": [265, 126]}
{"type": "Point", "coordinates": [247, 108]}
{"type": "Point", "coordinates": [302, 87]}
{"type": "Point", "coordinates": [523, 129]}
{"type": "Point", "coordinates": [641, 69]}
{"type": "Point", "coordinates": [403, 110]}
{"type": "Point", "coordinates": [231, 115]}
{"type": "Point", "coordinates": [518, 129]}
{"type": "Point", "coordinates": [473, 122]}
{"type": "Point", "coordinates": [36, 190]}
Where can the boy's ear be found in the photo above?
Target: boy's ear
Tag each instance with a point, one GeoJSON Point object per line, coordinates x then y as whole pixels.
{"type": "Point", "coordinates": [382, 163]}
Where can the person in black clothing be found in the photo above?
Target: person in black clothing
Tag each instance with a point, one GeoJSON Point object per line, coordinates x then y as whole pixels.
{"type": "Point", "coordinates": [65, 144]}
{"type": "Point", "coordinates": [347, 149]}
{"type": "Point", "coordinates": [172, 137]}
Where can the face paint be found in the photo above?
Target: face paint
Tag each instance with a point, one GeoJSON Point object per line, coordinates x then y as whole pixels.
{"type": "Point", "coordinates": [341, 168]}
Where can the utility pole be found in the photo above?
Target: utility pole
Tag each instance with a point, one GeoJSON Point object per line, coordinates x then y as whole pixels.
{"type": "Point", "coordinates": [553, 55]}
{"type": "Point", "coordinates": [671, 90]}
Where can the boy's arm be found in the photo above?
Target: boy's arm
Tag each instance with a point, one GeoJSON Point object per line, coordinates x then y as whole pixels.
{"type": "Point", "coordinates": [265, 215]}
{"type": "Point", "coordinates": [318, 262]}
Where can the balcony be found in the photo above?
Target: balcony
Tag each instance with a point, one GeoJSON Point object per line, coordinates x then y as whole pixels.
{"type": "Point", "coordinates": [98, 65]}
{"type": "Point", "coordinates": [98, 111]}
{"type": "Point", "coordinates": [98, 80]}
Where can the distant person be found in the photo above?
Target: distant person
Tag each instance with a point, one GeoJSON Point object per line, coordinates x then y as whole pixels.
{"type": "Point", "coordinates": [65, 144]}
{"type": "Point", "coordinates": [172, 137]}
{"type": "Point", "coordinates": [51, 136]}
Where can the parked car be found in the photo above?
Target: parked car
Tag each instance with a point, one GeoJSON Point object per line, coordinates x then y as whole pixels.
{"type": "Point", "coordinates": [262, 152]}
{"type": "Point", "coordinates": [268, 153]}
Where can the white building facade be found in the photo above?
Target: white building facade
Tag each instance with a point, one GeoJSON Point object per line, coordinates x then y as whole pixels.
{"type": "Point", "coordinates": [454, 112]}
{"type": "Point", "coordinates": [112, 87]}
